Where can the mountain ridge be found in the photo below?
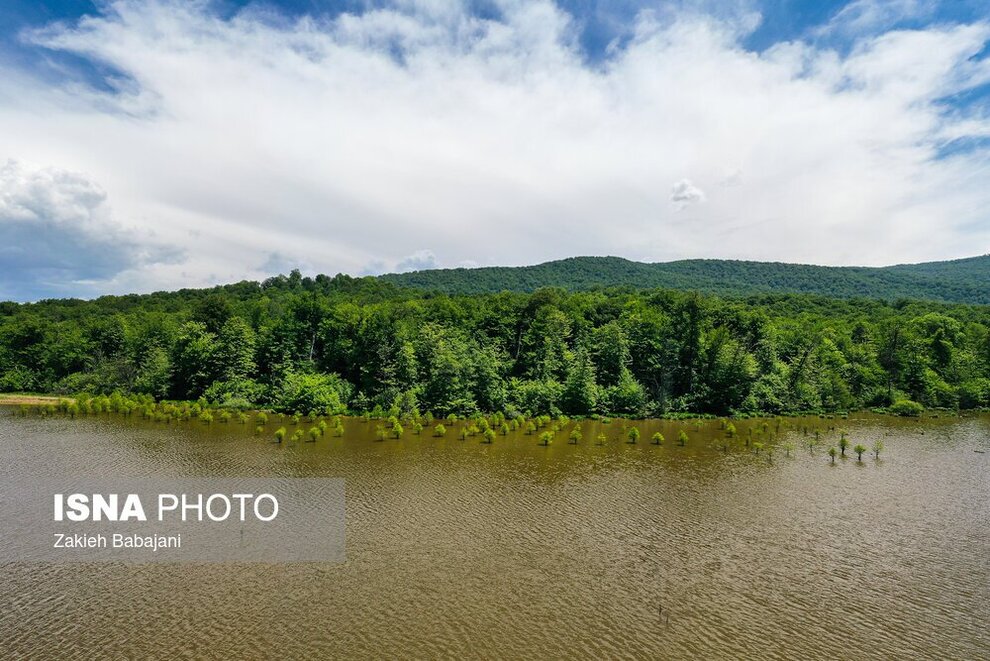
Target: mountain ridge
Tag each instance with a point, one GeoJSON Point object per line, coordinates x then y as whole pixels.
{"type": "Point", "coordinates": [965, 280]}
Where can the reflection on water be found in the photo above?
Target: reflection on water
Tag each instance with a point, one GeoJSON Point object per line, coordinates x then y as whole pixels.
{"type": "Point", "coordinates": [463, 549]}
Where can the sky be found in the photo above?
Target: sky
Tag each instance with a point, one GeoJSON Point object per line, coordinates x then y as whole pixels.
{"type": "Point", "coordinates": [182, 143]}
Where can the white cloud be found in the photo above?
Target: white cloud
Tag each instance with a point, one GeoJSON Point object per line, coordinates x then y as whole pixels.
{"type": "Point", "coordinates": [421, 260]}
{"type": "Point", "coordinates": [684, 193]}
{"type": "Point", "coordinates": [343, 143]}
{"type": "Point", "coordinates": [58, 238]}
{"type": "Point", "coordinates": [869, 16]}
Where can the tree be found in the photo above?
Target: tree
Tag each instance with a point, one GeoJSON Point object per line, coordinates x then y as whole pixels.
{"type": "Point", "coordinates": [235, 348]}
{"type": "Point", "coordinates": [580, 394]}
{"type": "Point", "coordinates": [633, 435]}
{"type": "Point", "coordinates": [611, 354]}
{"type": "Point", "coordinates": [307, 392]}
{"type": "Point", "coordinates": [576, 435]}
{"type": "Point", "coordinates": [658, 438]}
{"type": "Point", "coordinates": [194, 360]}
{"type": "Point", "coordinates": [907, 408]}
{"type": "Point", "coordinates": [212, 312]}
{"type": "Point", "coordinates": [155, 373]}
{"type": "Point", "coordinates": [859, 450]}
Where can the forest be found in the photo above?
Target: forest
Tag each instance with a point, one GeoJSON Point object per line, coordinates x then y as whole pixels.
{"type": "Point", "coordinates": [336, 344]}
{"type": "Point", "coordinates": [957, 281]}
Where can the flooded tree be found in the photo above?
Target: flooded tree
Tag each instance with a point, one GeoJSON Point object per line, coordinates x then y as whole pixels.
{"type": "Point", "coordinates": [489, 436]}
{"type": "Point", "coordinates": [877, 448]}
{"type": "Point", "coordinates": [314, 433]}
{"type": "Point", "coordinates": [600, 440]}
{"type": "Point", "coordinates": [546, 438]}
{"type": "Point", "coordinates": [633, 435]}
{"type": "Point", "coordinates": [843, 443]}
{"type": "Point", "coordinates": [658, 438]}
{"type": "Point", "coordinates": [682, 438]}
{"type": "Point", "coordinates": [832, 452]}
{"type": "Point", "coordinates": [859, 450]}
{"type": "Point", "coordinates": [439, 430]}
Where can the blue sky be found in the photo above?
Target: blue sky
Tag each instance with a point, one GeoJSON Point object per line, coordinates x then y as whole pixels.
{"type": "Point", "coordinates": [162, 143]}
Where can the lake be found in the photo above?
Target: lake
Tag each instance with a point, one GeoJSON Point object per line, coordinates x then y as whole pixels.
{"type": "Point", "coordinates": [460, 549]}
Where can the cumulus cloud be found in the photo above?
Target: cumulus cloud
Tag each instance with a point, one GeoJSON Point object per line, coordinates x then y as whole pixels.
{"type": "Point", "coordinates": [421, 260]}
{"type": "Point", "coordinates": [57, 237]}
{"type": "Point", "coordinates": [684, 193]}
{"type": "Point", "coordinates": [345, 142]}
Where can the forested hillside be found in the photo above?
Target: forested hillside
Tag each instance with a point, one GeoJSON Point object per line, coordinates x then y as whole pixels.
{"type": "Point", "coordinates": [296, 343]}
{"type": "Point", "coordinates": [962, 281]}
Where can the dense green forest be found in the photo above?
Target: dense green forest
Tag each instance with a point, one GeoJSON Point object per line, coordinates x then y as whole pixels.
{"type": "Point", "coordinates": [960, 281]}
{"type": "Point", "coordinates": [299, 343]}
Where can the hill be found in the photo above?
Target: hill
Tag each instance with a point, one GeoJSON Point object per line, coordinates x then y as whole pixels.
{"type": "Point", "coordinates": [958, 281]}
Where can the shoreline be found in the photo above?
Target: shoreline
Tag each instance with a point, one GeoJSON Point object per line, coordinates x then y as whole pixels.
{"type": "Point", "coordinates": [32, 400]}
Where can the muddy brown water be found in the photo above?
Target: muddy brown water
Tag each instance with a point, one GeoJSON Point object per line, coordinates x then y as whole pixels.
{"type": "Point", "coordinates": [459, 549]}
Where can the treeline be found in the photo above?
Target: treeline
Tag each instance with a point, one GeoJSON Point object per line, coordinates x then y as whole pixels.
{"type": "Point", "coordinates": [961, 281]}
{"type": "Point", "coordinates": [330, 344]}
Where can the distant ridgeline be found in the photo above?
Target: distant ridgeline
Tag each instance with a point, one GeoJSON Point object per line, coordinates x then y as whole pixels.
{"type": "Point", "coordinates": [960, 281]}
{"type": "Point", "coordinates": [295, 343]}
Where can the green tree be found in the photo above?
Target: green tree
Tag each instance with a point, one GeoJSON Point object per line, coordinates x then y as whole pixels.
{"type": "Point", "coordinates": [580, 395]}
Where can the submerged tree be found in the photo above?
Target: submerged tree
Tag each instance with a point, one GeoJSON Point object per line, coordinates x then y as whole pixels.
{"type": "Point", "coordinates": [682, 438]}
{"type": "Point", "coordinates": [832, 452]}
{"type": "Point", "coordinates": [859, 450]}
{"type": "Point", "coordinates": [658, 438]}
{"type": "Point", "coordinates": [633, 435]}
{"type": "Point", "coordinates": [439, 430]}
{"type": "Point", "coordinates": [877, 448]}
{"type": "Point", "coordinates": [546, 438]}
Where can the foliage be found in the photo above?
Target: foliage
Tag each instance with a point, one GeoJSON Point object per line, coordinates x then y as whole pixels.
{"type": "Point", "coordinates": [334, 344]}
{"type": "Point", "coordinates": [307, 392]}
{"type": "Point", "coordinates": [962, 280]}
{"type": "Point", "coordinates": [907, 408]}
